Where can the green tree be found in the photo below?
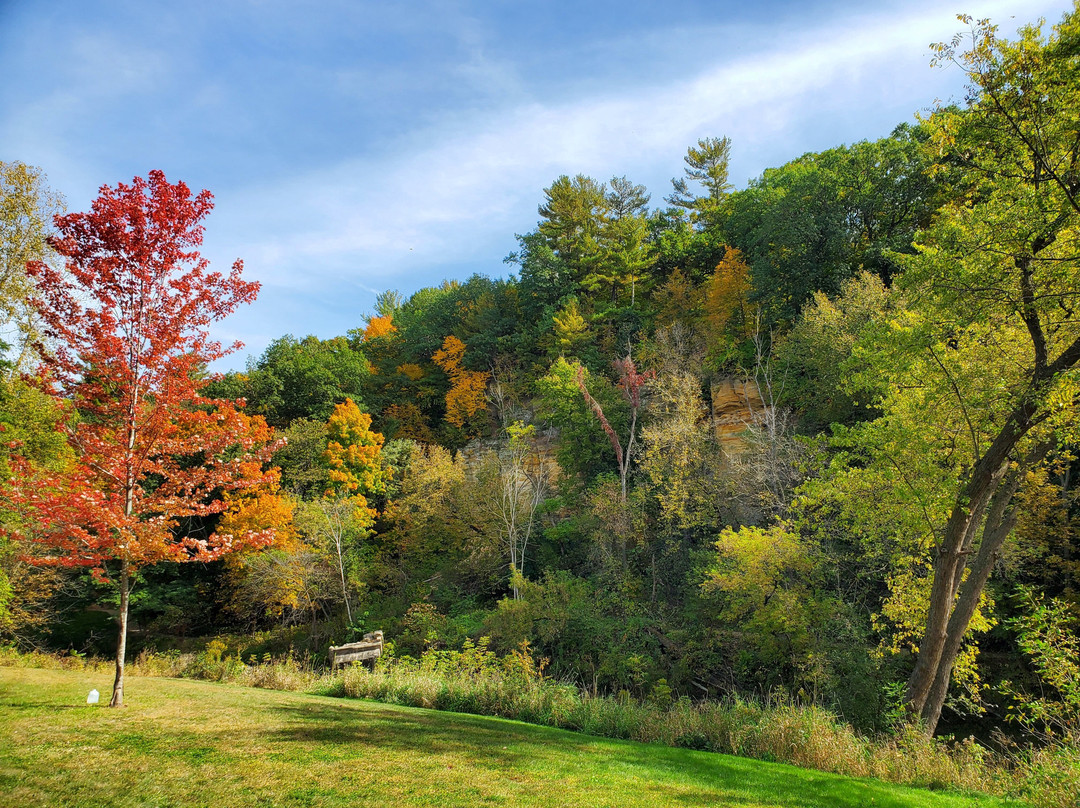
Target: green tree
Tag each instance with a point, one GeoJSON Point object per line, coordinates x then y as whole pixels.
{"type": "Point", "coordinates": [632, 386]}
{"type": "Point", "coordinates": [27, 208]}
{"type": "Point", "coordinates": [387, 303]}
{"type": "Point", "coordinates": [811, 224]}
{"type": "Point", "coordinates": [763, 581]}
{"type": "Point", "coordinates": [30, 425]}
{"type": "Point", "coordinates": [593, 636]}
{"type": "Point", "coordinates": [335, 528]}
{"type": "Point", "coordinates": [624, 198]}
{"type": "Point", "coordinates": [998, 276]}
{"type": "Point", "coordinates": [819, 356]}
{"type": "Point", "coordinates": [583, 451]}
{"type": "Point", "coordinates": [623, 257]}
{"type": "Point", "coordinates": [572, 217]}
{"type": "Point", "coordinates": [706, 164]}
{"type": "Point", "coordinates": [303, 472]}
{"type": "Point", "coordinates": [681, 458]}
{"type": "Point", "coordinates": [299, 379]}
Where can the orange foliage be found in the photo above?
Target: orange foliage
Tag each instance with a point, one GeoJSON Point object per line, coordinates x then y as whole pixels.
{"type": "Point", "coordinates": [264, 510]}
{"type": "Point", "coordinates": [152, 450]}
{"type": "Point", "coordinates": [466, 396]}
{"type": "Point", "coordinates": [87, 521]}
{"type": "Point", "coordinates": [449, 356]}
{"type": "Point", "coordinates": [379, 327]}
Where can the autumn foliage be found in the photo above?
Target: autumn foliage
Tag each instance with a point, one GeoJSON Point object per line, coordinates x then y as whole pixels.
{"type": "Point", "coordinates": [379, 327]}
{"type": "Point", "coordinates": [128, 318]}
{"type": "Point", "coordinates": [409, 422]}
{"type": "Point", "coordinates": [727, 298]}
{"type": "Point", "coordinates": [259, 511]}
{"type": "Point", "coordinates": [466, 395]}
{"type": "Point", "coordinates": [352, 455]}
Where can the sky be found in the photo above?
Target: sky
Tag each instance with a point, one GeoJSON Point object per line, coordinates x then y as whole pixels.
{"type": "Point", "coordinates": [355, 146]}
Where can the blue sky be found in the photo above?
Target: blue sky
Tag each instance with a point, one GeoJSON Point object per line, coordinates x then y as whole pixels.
{"type": "Point", "coordinates": [356, 146]}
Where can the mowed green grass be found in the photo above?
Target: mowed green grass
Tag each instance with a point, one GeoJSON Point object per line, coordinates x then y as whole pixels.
{"type": "Point", "coordinates": [184, 743]}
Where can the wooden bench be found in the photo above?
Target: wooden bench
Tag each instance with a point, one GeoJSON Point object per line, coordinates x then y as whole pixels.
{"type": "Point", "coordinates": [367, 651]}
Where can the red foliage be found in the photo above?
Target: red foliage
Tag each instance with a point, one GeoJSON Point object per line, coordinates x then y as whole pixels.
{"type": "Point", "coordinates": [632, 381]}
{"type": "Point", "coordinates": [128, 317]}
{"type": "Point", "coordinates": [598, 411]}
{"type": "Point", "coordinates": [631, 384]}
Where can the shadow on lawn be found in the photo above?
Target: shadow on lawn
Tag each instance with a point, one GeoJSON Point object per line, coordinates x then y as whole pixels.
{"type": "Point", "coordinates": [553, 756]}
{"type": "Point", "coordinates": [551, 766]}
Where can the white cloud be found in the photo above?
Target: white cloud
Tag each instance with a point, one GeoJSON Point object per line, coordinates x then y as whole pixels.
{"type": "Point", "coordinates": [453, 189]}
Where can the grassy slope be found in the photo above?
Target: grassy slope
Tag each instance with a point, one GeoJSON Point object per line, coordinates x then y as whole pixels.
{"type": "Point", "coordinates": [185, 743]}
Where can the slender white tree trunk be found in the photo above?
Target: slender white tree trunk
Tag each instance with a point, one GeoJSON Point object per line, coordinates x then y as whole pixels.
{"type": "Point", "coordinates": [121, 644]}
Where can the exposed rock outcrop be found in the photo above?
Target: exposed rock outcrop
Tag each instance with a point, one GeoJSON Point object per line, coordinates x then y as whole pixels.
{"type": "Point", "coordinates": [736, 403]}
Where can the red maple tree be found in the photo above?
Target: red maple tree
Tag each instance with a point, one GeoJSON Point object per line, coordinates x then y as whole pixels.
{"type": "Point", "coordinates": [127, 322]}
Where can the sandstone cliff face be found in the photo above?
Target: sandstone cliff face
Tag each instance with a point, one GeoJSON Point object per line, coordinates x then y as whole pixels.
{"type": "Point", "coordinates": [736, 403]}
{"type": "Point", "coordinates": [541, 460]}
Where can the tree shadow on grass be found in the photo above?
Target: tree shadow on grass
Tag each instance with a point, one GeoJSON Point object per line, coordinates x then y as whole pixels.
{"type": "Point", "coordinates": [668, 776]}
{"type": "Point", "coordinates": [510, 762]}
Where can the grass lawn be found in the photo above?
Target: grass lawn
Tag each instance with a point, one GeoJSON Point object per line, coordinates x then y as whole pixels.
{"type": "Point", "coordinates": [186, 743]}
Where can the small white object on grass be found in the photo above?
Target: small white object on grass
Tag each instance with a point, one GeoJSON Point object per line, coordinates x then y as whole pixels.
{"type": "Point", "coordinates": [93, 697]}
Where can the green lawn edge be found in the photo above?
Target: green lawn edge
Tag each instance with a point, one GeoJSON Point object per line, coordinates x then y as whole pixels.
{"type": "Point", "coordinates": [182, 743]}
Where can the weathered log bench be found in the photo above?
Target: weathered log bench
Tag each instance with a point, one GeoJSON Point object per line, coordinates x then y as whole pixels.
{"type": "Point", "coordinates": [367, 651]}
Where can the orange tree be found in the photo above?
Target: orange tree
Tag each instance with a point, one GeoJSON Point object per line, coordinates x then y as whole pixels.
{"type": "Point", "coordinates": [468, 388]}
{"type": "Point", "coordinates": [128, 316]}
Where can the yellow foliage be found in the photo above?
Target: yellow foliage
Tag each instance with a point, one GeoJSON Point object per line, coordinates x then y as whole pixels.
{"type": "Point", "coordinates": [570, 328]}
{"type": "Point", "coordinates": [353, 453]}
{"type": "Point", "coordinates": [763, 581]}
{"type": "Point", "coordinates": [261, 510]}
{"type": "Point", "coordinates": [264, 510]}
{"type": "Point", "coordinates": [411, 372]}
{"type": "Point", "coordinates": [466, 397]}
{"type": "Point", "coordinates": [449, 356]}
{"type": "Point", "coordinates": [727, 298]}
{"type": "Point", "coordinates": [756, 562]}
{"type": "Point", "coordinates": [379, 327]}
{"type": "Point", "coordinates": [678, 301]}
{"type": "Point", "coordinates": [1046, 528]}
{"type": "Point", "coordinates": [467, 394]}
{"type": "Point", "coordinates": [903, 619]}
{"type": "Point", "coordinates": [411, 423]}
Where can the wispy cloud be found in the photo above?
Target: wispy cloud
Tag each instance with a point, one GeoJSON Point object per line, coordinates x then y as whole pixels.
{"type": "Point", "coordinates": [455, 189]}
{"type": "Point", "coordinates": [356, 146]}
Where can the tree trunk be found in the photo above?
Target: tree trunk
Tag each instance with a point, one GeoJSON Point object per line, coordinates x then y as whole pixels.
{"type": "Point", "coordinates": [955, 598]}
{"type": "Point", "coordinates": [338, 541]}
{"type": "Point", "coordinates": [121, 644]}
{"type": "Point", "coordinates": [948, 571]}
